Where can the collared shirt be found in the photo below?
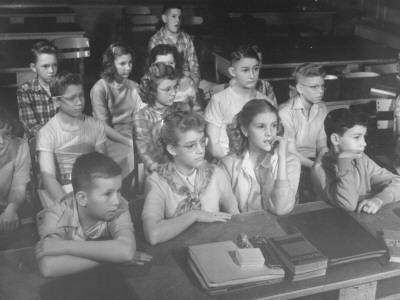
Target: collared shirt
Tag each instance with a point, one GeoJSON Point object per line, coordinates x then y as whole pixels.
{"type": "Point", "coordinates": [258, 188]}
{"type": "Point", "coordinates": [35, 106]}
{"type": "Point", "coordinates": [190, 180]}
{"type": "Point", "coordinates": [345, 182]}
{"type": "Point", "coordinates": [185, 46]}
{"type": "Point", "coordinates": [143, 124]}
{"type": "Point", "coordinates": [303, 127]}
{"type": "Point", "coordinates": [62, 220]}
{"type": "Point", "coordinates": [223, 107]}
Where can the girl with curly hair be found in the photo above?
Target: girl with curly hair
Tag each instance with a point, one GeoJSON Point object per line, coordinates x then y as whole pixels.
{"type": "Point", "coordinates": [263, 174]}
{"type": "Point", "coordinates": [186, 189]}
{"type": "Point", "coordinates": [115, 98]}
{"type": "Point", "coordinates": [188, 91]}
{"type": "Point", "coordinates": [15, 163]}
{"type": "Point", "coordinates": [158, 89]}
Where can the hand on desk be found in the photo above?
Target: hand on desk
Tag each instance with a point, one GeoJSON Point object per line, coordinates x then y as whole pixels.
{"type": "Point", "coordinates": [140, 258]}
{"type": "Point", "coordinates": [208, 217]}
{"type": "Point", "coordinates": [370, 206]}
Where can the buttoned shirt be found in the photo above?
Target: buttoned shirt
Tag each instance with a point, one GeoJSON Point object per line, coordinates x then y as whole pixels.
{"type": "Point", "coordinates": [304, 128]}
{"type": "Point", "coordinates": [35, 106]}
{"type": "Point", "coordinates": [185, 46]}
{"type": "Point", "coordinates": [143, 124]}
{"type": "Point", "coordinates": [258, 188]}
{"type": "Point", "coordinates": [62, 220]}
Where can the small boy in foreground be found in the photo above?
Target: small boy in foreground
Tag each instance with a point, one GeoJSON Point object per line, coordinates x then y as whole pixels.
{"type": "Point", "coordinates": [347, 177]}
{"type": "Point", "coordinates": [95, 210]}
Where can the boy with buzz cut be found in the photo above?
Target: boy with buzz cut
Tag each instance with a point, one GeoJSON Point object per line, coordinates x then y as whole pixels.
{"type": "Point", "coordinates": [171, 34]}
{"type": "Point", "coordinates": [224, 105]}
{"type": "Point", "coordinates": [95, 210]}
{"type": "Point", "coordinates": [346, 176]}
{"type": "Point", "coordinates": [67, 135]}
{"type": "Point", "coordinates": [35, 105]}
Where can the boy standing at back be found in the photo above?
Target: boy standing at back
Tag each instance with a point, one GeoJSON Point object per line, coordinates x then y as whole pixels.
{"type": "Point", "coordinates": [346, 176]}
{"type": "Point", "coordinates": [226, 104]}
{"type": "Point", "coordinates": [95, 210]}
{"type": "Point", "coordinates": [35, 105]}
{"type": "Point", "coordinates": [303, 115]}
{"type": "Point", "coordinates": [171, 35]}
{"type": "Point", "coordinates": [67, 135]}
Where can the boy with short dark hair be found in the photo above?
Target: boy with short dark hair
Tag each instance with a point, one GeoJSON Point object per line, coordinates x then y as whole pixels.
{"type": "Point", "coordinates": [95, 210]}
{"type": "Point", "coordinates": [303, 115]}
{"type": "Point", "coordinates": [346, 176]}
{"type": "Point", "coordinates": [171, 34]}
{"type": "Point", "coordinates": [224, 105]}
{"type": "Point", "coordinates": [35, 105]}
{"type": "Point", "coordinates": [67, 135]}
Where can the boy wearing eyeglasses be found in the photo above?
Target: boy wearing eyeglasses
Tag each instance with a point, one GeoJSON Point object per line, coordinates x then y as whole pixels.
{"type": "Point", "coordinates": [67, 135]}
{"type": "Point", "coordinates": [303, 119]}
{"type": "Point", "coordinates": [303, 115]}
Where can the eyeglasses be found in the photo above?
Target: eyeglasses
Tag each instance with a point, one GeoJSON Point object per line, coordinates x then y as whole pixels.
{"type": "Point", "coordinates": [170, 89]}
{"type": "Point", "coordinates": [71, 99]}
{"type": "Point", "coordinates": [191, 147]}
{"type": "Point", "coordinates": [315, 87]}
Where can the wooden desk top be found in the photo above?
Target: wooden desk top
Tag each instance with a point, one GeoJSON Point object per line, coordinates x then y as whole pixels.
{"type": "Point", "coordinates": [168, 275]}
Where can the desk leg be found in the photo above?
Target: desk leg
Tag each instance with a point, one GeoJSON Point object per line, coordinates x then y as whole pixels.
{"type": "Point", "coordinates": [359, 292]}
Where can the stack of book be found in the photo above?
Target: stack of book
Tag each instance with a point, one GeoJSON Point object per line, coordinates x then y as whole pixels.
{"type": "Point", "coordinates": [392, 241]}
{"type": "Point", "coordinates": [299, 256]}
{"type": "Point", "coordinates": [218, 269]}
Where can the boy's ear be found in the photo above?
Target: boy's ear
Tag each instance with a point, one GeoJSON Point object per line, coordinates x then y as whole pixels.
{"type": "Point", "coordinates": [299, 88]}
{"type": "Point", "coordinates": [335, 139]}
{"type": "Point", "coordinates": [33, 67]}
{"type": "Point", "coordinates": [171, 150]}
{"type": "Point", "coordinates": [81, 198]}
{"type": "Point", "coordinates": [231, 71]}
{"type": "Point", "coordinates": [164, 18]}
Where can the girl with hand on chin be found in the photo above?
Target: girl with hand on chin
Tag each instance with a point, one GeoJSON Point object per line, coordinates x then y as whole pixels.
{"type": "Point", "coordinates": [263, 174]}
{"type": "Point", "coordinates": [158, 89]}
{"type": "Point", "coordinates": [186, 189]}
{"type": "Point", "coordinates": [115, 99]}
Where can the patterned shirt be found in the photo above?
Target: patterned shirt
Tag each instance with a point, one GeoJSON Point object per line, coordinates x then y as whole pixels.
{"type": "Point", "coordinates": [184, 45]}
{"type": "Point", "coordinates": [35, 106]}
{"type": "Point", "coordinates": [62, 220]}
{"type": "Point", "coordinates": [143, 124]}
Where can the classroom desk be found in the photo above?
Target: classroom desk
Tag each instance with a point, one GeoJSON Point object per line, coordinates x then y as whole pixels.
{"type": "Point", "coordinates": [17, 15]}
{"type": "Point", "coordinates": [284, 53]}
{"type": "Point", "coordinates": [168, 275]}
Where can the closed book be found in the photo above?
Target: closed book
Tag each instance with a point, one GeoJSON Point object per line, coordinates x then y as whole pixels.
{"type": "Point", "coordinates": [392, 241]}
{"type": "Point", "coordinates": [216, 267]}
{"type": "Point", "coordinates": [307, 275]}
{"type": "Point", "coordinates": [337, 235]}
{"type": "Point", "coordinates": [298, 254]}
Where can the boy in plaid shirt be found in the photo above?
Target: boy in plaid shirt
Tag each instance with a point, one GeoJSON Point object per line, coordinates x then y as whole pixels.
{"type": "Point", "coordinates": [35, 105]}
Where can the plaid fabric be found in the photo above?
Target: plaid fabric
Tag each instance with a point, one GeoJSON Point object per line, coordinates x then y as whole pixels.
{"type": "Point", "coordinates": [35, 107]}
{"type": "Point", "coordinates": [184, 45]}
{"type": "Point", "coordinates": [143, 123]}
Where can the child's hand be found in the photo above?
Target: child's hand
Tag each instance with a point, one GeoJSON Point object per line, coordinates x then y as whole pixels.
{"type": "Point", "coordinates": [349, 154]}
{"type": "Point", "coordinates": [140, 258]}
{"type": "Point", "coordinates": [9, 219]}
{"type": "Point", "coordinates": [321, 153]}
{"type": "Point", "coordinates": [208, 217]}
{"type": "Point", "coordinates": [281, 144]}
{"type": "Point", "coordinates": [50, 247]}
{"type": "Point", "coordinates": [370, 206]}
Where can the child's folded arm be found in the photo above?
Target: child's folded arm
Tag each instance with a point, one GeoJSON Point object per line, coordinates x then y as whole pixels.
{"type": "Point", "coordinates": [342, 189]}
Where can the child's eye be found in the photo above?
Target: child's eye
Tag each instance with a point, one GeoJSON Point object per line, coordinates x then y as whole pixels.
{"type": "Point", "coordinates": [190, 147]}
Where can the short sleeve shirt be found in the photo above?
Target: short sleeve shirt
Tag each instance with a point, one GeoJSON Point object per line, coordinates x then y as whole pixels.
{"type": "Point", "coordinates": [222, 108]}
{"type": "Point", "coordinates": [303, 130]}
{"type": "Point", "coordinates": [14, 168]}
{"type": "Point", "coordinates": [68, 145]}
{"type": "Point", "coordinates": [62, 220]}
